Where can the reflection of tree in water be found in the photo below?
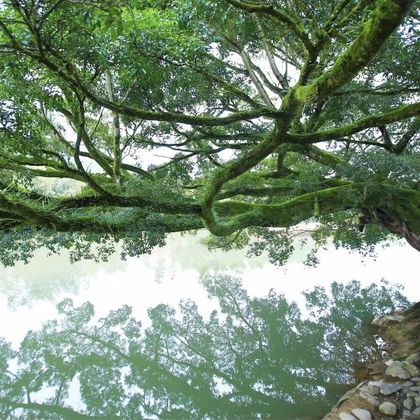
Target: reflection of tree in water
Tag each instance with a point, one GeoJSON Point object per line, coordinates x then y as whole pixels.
{"type": "Point", "coordinates": [188, 252]}
{"type": "Point", "coordinates": [255, 357]}
{"type": "Point", "coordinates": [45, 278]}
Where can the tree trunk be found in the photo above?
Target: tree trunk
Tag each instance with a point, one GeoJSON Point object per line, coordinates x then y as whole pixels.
{"type": "Point", "coordinates": [391, 220]}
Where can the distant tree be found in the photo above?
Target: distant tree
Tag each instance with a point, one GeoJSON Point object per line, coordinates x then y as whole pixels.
{"type": "Point", "coordinates": [253, 358]}
{"type": "Point", "coordinates": [269, 113]}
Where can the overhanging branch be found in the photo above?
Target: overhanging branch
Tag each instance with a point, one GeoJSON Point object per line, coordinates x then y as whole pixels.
{"type": "Point", "coordinates": [373, 34]}
{"type": "Point", "coordinates": [399, 114]}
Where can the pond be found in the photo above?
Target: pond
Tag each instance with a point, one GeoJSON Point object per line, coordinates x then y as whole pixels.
{"type": "Point", "coordinates": [189, 333]}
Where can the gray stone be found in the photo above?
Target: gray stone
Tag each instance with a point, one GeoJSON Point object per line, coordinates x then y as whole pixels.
{"type": "Point", "coordinates": [370, 389]}
{"type": "Point", "coordinates": [417, 400]}
{"type": "Point", "coordinates": [388, 408]}
{"type": "Point", "coordinates": [411, 369]}
{"type": "Point", "coordinates": [411, 394]}
{"type": "Point", "coordinates": [408, 403]}
{"type": "Point", "coordinates": [388, 389]}
{"type": "Point", "coordinates": [407, 384]}
{"type": "Point", "coordinates": [415, 388]}
{"type": "Point", "coordinates": [346, 416]}
{"type": "Point", "coordinates": [413, 358]}
{"type": "Point", "coordinates": [416, 379]}
{"type": "Point", "coordinates": [376, 383]}
{"type": "Point", "coordinates": [362, 414]}
{"type": "Point", "coordinates": [396, 369]}
{"type": "Point", "coordinates": [369, 398]}
{"type": "Point", "coordinates": [406, 414]}
{"type": "Point", "coordinates": [416, 413]}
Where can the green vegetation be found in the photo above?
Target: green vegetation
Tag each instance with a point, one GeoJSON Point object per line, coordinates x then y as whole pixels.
{"type": "Point", "coordinates": [268, 114]}
{"type": "Point", "coordinates": [251, 358]}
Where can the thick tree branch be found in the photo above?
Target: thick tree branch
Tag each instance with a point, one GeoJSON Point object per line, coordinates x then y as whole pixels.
{"type": "Point", "coordinates": [399, 114]}
{"type": "Point", "coordinates": [385, 19]}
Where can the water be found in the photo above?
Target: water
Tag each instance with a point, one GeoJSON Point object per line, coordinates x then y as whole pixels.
{"type": "Point", "coordinates": [258, 356]}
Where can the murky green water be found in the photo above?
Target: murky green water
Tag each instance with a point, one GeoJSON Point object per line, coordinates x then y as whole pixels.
{"type": "Point", "coordinates": [185, 333]}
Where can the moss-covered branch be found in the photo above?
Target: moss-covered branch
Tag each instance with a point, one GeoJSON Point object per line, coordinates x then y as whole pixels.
{"type": "Point", "coordinates": [399, 114]}
{"type": "Point", "coordinates": [385, 19]}
{"type": "Point", "coordinates": [154, 93]}
{"type": "Point", "coordinates": [361, 196]}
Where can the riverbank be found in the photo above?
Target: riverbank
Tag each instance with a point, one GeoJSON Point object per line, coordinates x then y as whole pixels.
{"type": "Point", "coordinates": [393, 388]}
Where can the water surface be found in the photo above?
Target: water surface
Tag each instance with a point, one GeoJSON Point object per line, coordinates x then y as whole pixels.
{"type": "Point", "coordinates": [121, 332]}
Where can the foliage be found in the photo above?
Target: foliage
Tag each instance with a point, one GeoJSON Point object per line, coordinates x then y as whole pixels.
{"type": "Point", "coordinates": [253, 357]}
{"type": "Point", "coordinates": [189, 114]}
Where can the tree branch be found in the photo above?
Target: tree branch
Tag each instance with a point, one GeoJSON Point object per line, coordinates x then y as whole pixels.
{"type": "Point", "coordinates": [373, 34]}
{"type": "Point", "coordinates": [399, 114]}
{"type": "Point", "coordinates": [295, 26]}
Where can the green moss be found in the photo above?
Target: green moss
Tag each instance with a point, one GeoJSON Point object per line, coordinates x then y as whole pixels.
{"type": "Point", "coordinates": [306, 94]}
{"type": "Point", "coordinates": [385, 19]}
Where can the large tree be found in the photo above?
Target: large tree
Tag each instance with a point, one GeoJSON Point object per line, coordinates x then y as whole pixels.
{"type": "Point", "coordinates": [269, 113]}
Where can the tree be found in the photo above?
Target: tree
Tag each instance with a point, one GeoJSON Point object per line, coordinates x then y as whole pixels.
{"type": "Point", "coordinates": [253, 358]}
{"type": "Point", "coordinates": [269, 114]}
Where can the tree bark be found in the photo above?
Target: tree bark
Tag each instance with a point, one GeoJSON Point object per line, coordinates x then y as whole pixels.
{"type": "Point", "coordinates": [391, 220]}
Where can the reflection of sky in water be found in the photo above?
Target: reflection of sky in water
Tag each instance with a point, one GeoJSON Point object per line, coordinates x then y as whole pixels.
{"type": "Point", "coordinates": [28, 293]}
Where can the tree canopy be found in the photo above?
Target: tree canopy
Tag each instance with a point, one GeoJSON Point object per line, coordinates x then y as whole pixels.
{"type": "Point", "coordinates": [267, 113]}
{"type": "Point", "coordinates": [252, 358]}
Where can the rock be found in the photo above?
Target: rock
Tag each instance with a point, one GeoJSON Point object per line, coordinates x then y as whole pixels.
{"type": "Point", "coordinates": [362, 414]}
{"type": "Point", "coordinates": [369, 398]}
{"type": "Point", "coordinates": [381, 321]}
{"type": "Point", "coordinates": [417, 400]}
{"type": "Point", "coordinates": [410, 368]}
{"type": "Point", "coordinates": [406, 414]}
{"type": "Point", "coordinates": [416, 379]}
{"type": "Point", "coordinates": [408, 403]}
{"type": "Point", "coordinates": [376, 383]}
{"type": "Point", "coordinates": [388, 408]}
{"type": "Point", "coordinates": [411, 394]}
{"type": "Point", "coordinates": [415, 388]}
{"type": "Point", "coordinates": [346, 416]}
{"type": "Point", "coordinates": [396, 369]}
{"type": "Point", "coordinates": [416, 413]}
{"type": "Point", "coordinates": [371, 389]}
{"type": "Point", "coordinates": [388, 389]}
{"type": "Point", "coordinates": [413, 358]}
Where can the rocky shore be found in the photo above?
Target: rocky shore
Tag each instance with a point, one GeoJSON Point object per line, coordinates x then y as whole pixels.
{"type": "Point", "coordinates": [393, 391]}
